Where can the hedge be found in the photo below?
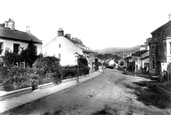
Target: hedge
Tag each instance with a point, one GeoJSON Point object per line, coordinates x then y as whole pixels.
{"type": "Point", "coordinates": [73, 71]}
{"type": "Point", "coordinates": [15, 77]}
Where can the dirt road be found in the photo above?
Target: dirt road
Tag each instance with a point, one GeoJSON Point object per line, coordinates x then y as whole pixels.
{"type": "Point", "coordinates": [110, 93]}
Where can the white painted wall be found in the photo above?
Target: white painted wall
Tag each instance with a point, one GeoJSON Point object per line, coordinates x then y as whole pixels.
{"type": "Point", "coordinates": [137, 63]}
{"type": "Point", "coordinates": [9, 44]}
{"type": "Point", "coordinates": [145, 54]}
{"type": "Point", "coordinates": [67, 50]}
{"type": "Point", "coordinates": [168, 41]}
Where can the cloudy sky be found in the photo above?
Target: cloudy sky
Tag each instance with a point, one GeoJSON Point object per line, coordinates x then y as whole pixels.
{"type": "Point", "coordinates": [98, 23]}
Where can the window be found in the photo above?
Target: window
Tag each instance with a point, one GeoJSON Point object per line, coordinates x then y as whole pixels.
{"type": "Point", "coordinates": [164, 34]}
{"type": "Point", "coordinates": [1, 47]}
{"type": "Point", "coordinates": [59, 56]}
{"type": "Point", "coordinates": [153, 50]}
{"type": "Point", "coordinates": [170, 47]}
{"type": "Point", "coordinates": [153, 64]}
{"type": "Point", "coordinates": [158, 36]}
{"type": "Point", "coordinates": [16, 48]}
{"type": "Point", "coordinates": [22, 64]}
{"type": "Point", "coordinates": [59, 45]}
{"type": "Point", "coordinates": [165, 49]}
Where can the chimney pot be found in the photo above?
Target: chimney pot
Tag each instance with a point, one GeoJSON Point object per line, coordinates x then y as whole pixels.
{"type": "Point", "coordinates": [27, 29]}
{"type": "Point", "coordinates": [60, 32]}
{"type": "Point", "coordinates": [10, 24]}
{"type": "Point", "coordinates": [169, 16]}
{"type": "Point", "coordinates": [68, 36]}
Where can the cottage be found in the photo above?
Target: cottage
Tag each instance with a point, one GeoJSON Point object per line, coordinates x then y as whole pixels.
{"type": "Point", "coordinates": [16, 40]}
{"type": "Point", "coordinates": [66, 48]}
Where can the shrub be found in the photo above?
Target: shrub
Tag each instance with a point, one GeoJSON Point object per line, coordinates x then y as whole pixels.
{"type": "Point", "coordinates": [84, 70]}
{"type": "Point", "coordinates": [15, 77]}
{"type": "Point", "coordinates": [10, 58]}
{"type": "Point", "coordinates": [48, 69]}
{"type": "Point", "coordinates": [29, 55]}
{"type": "Point", "coordinates": [69, 71]}
{"type": "Point", "coordinates": [83, 65]}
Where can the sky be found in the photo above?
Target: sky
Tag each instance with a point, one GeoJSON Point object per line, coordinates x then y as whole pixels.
{"type": "Point", "coordinates": [98, 23]}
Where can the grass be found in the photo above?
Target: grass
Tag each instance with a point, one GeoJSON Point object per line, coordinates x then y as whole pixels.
{"type": "Point", "coordinates": [149, 94]}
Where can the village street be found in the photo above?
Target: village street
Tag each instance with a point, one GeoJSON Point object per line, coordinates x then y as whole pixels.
{"type": "Point", "coordinates": [110, 93]}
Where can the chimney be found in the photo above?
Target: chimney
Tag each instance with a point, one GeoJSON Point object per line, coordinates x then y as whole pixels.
{"type": "Point", "coordinates": [60, 32]}
{"type": "Point", "coordinates": [10, 24]}
{"type": "Point", "coordinates": [169, 16]}
{"type": "Point", "coordinates": [28, 29]}
{"type": "Point", "coordinates": [68, 36]}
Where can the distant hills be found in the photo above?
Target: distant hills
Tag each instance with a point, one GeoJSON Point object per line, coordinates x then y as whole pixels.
{"type": "Point", "coordinates": [118, 50]}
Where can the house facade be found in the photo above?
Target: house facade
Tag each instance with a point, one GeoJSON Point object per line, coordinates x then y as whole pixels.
{"type": "Point", "coordinates": [66, 48]}
{"type": "Point", "coordinates": [16, 40]}
{"type": "Point", "coordinates": [140, 59]}
{"type": "Point", "coordinates": [160, 49]}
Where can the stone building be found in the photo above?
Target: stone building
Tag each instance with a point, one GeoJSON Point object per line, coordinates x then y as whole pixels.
{"type": "Point", "coordinates": [160, 49]}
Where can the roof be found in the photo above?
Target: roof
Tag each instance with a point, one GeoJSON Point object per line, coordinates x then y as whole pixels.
{"type": "Point", "coordinates": [138, 53]}
{"type": "Point", "coordinates": [152, 41]}
{"type": "Point", "coordinates": [7, 33]}
{"type": "Point", "coordinates": [162, 27]}
{"type": "Point", "coordinates": [77, 42]}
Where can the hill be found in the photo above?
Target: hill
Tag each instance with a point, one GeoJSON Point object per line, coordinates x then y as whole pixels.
{"type": "Point", "coordinates": [118, 50]}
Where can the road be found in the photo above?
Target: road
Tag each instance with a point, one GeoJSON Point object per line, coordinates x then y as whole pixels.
{"type": "Point", "coordinates": [110, 93]}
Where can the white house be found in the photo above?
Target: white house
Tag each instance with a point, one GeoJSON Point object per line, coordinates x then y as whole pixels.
{"type": "Point", "coordinates": [16, 40]}
{"type": "Point", "coordinates": [141, 58]}
{"type": "Point", "coordinates": [65, 48]}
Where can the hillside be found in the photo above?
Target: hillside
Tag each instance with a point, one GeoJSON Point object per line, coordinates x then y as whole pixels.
{"type": "Point", "coordinates": [118, 50]}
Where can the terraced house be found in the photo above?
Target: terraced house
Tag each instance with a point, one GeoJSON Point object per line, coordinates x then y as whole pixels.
{"type": "Point", "coordinates": [66, 48]}
{"type": "Point", "coordinates": [160, 49]}
{"type": "Point", "coordinates": [16, 40]}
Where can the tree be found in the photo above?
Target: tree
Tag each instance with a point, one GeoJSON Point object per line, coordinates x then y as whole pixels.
{"type": "Point", "coordinates": [29, 55]}
{"type": "Point", "coordinates": [82, 66]}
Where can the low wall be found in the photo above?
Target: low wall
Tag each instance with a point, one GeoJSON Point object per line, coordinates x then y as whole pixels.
{"type": "Point", "coordinates": [16, 93]}
{"type": "Point", "coordinates": [20, 92]}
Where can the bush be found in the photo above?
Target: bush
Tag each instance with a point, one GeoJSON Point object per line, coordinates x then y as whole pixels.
{"type": "Point", "coordinates": [15, 77]}
{"type": "Point", "coordinates": [48, 69]}
{"type": "Point", "coordinates": [69, 71]}
{"type": "Point", "coordinates": [83, 65]}
{"type": "Point", "coordinates": [84, 70]}
{"type": "Point", "coordinates": [73, 71]}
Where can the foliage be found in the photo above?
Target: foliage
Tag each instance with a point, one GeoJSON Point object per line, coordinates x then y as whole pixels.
{"type": "Point", "coordinates": [84, 70]}
{"type": "Point", "coordinates": [74, 71]}
{"type": "Point", "coordinates": [108, 56]}
{"type": "Point", "coordinates": [131, 66]}
{"type": "Point", "coordinates": [82, 61]}
{"type": "Point", "coordinates": [69, 71]}
{"type": "Point", "coordinates": [82, 65]}
{"type": "Point", "coordinates": [10, 58]}
{"type": "Point", "coordinates": [29, 55]}
{"type": "Point", "coordinates": [48, 68]}
{"type": "Point", "coordinates": [15, 77]}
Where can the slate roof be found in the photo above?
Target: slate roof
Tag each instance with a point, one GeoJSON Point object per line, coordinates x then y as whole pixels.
{"type": "Point", "coordinates": [162, 27]}
{"type": "Point", "coordinates": [138, 53]}
{"type": "Point", "coordinates": [77, 42]}
{"type": "Point", "coordinates": [16, 35]}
